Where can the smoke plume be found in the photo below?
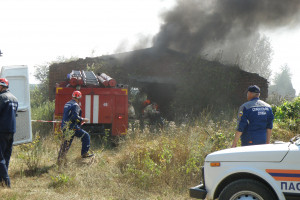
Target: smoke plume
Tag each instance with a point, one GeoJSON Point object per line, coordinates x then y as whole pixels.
{"type": "Point", "coordinates": [194, 26]}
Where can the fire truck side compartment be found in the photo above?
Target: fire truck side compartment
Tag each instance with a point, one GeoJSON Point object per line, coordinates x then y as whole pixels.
{"type": "Point", "coordinates": [106, 108]}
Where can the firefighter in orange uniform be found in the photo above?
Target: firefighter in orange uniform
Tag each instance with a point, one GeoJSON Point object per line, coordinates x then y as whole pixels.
{"type": "Point", "coordinates": [153, 114]}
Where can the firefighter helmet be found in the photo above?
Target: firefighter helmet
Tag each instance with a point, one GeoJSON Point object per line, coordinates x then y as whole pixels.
{"type": "Point", "coordinates": [4, 82]}
{"type": "Point", "coordinates": [77, 94]}
{"type": "Point", "coordinates": [146, 102]}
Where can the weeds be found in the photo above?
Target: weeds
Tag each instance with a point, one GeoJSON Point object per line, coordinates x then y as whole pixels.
{"type": "Point", "coordinates": [31, 154]}
{"type": "Point", "coordinates": [287, 115]}
{"type": "Point", "coordinates": [64, 137]}
{"type": "Point", "coordinates": [61, 180]}
{"type": "Point", "coordinates": [145, 165]}
{"type": "Point", "coordinates": [174, 155]}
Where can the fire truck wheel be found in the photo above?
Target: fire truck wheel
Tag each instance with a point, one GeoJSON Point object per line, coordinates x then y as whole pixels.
{"type": "Point", "coordinates": [246, 189]}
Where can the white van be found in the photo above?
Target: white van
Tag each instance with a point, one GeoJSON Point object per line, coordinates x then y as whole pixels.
{"type": "Point", "coordinates": [18, 78]}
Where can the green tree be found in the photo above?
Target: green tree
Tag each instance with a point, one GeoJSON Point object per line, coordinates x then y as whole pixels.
{"type": "Point", "coordinates": [40, 93]}
{"type": "Point", "coordinates": [257, 56]}
{"type": "Point", "coordinates": [283, 87]}
{"type": "Point", "coordinates": [41, 107]}
{"type": "Point", "coordinates": [253, 54]}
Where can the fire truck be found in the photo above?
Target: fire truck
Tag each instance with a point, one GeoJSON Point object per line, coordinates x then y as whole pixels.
{"type": "Point", "coordinates": [103, 102]}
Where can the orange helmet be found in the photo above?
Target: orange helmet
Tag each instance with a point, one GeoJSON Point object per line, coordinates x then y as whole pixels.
{"type": "Point", "coordinates": [4, 82]}
{"type": "Point", "coordinates": [77, 94]}
{"type": "Point", "coordinates": [147, 102]}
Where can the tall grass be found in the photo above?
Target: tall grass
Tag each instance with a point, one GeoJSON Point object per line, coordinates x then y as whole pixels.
{"type": "Point", "coordinates": [172, 157]}
{"type": "Point", "coordinates": [159, 164]}
{"type": "Point", "coordinates": [147, 164]}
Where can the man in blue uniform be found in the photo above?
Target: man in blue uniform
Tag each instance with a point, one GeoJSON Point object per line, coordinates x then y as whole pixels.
{"type": "Point", "coordinates": [71, 122]}
{"type": "Point", "coordinates": [255, 120]}
{"type": "Point", "coordinates": [8, 112]}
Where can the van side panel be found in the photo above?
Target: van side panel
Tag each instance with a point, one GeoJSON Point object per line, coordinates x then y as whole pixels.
{"type": "Point", "coordinates": [18, 78]}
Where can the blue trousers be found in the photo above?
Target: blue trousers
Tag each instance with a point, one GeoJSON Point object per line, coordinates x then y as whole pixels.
{"type": "Point", "coordinates": [6, 143]}
{"type": "Point", "coordinates": [85, 140]}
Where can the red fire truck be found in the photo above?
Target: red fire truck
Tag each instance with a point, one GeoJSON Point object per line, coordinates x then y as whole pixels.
{"type": "Point", "coordinates": [103, 102]}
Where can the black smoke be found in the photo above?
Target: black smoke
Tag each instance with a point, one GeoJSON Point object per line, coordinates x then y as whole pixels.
{"type": "Point", "coordinates": [196, 25]}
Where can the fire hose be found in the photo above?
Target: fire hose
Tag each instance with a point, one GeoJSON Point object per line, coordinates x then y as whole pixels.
{"type": "Point", "coordinates": [45, 121]}
{"type": "Point", "coordinates": [51, 121]}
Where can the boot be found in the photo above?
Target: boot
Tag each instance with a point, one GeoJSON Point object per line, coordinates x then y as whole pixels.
{"type": "Point", "coordinates": [87, 154]}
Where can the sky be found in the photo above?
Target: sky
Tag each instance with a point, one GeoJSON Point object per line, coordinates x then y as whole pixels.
{"type": "Point", "coordinates": [286, 44]}
{"type": "Point", "coordinates": [35, 32]}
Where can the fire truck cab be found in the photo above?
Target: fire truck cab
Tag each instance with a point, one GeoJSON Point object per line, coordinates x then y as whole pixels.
{"type": "Point", "coordinates": [103, 102]}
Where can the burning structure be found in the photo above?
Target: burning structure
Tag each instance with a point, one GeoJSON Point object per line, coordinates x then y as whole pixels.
{"type": "Point", "coordinates": [174, 80]}
{"type": "Point", "coordinates": [176, 72]}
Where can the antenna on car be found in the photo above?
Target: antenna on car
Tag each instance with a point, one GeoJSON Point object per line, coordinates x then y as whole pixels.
{"type": "Point", "coordinates": [294, 138]}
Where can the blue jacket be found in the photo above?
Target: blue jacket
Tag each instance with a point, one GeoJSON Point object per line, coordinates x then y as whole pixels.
{"type": "Point", "coordinates": [254, 118]}
{"type": "Point", "coordinates": [72, 114]}
{"type": "Point", "coordinates": [8, 112]}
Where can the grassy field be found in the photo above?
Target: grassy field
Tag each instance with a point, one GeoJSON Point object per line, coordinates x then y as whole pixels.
{"type": "Point", "coordinates": [147, 164]}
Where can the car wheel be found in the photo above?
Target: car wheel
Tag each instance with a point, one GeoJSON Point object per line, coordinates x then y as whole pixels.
{"type": "Point", "coordinates": [246, 189]}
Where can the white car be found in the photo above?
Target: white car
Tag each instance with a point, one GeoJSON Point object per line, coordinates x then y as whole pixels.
{"type": "Point", "coordinates": [260, 172]}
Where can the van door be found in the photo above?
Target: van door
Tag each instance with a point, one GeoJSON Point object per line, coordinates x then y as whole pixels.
{"type": "Point", "coordinates": [18, 78]}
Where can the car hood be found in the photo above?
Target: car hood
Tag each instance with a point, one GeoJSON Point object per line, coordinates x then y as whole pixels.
{"type": "Point", "coordinates": [255, 153]}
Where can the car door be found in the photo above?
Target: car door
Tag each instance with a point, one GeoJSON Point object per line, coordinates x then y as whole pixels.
{"type": "Point", "coordinates": [19, 86]}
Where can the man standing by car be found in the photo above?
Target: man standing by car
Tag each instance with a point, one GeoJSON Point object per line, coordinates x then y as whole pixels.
{"type": "Point", "coordinates": [8, 112]}
{"type": "Point", "coordinates": [255, 120]}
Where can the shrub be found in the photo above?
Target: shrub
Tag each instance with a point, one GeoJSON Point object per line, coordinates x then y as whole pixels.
{"type": "Point", "coordinates": [287, 115]}
{"type": "Point", "coordinates": [31, 154]}
{"type": "Point", "coordinates": [44, 111]}
{"type": "Point", "coordinates": [61, 180]}
{"type": "Point", "coordinates": [172, 157]}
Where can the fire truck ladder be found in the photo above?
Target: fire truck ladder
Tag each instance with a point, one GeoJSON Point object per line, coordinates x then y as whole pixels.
{"type": "Point", "coordinates": [89, 78]}
{"type": "Point", "coordinates": [75, 73]}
